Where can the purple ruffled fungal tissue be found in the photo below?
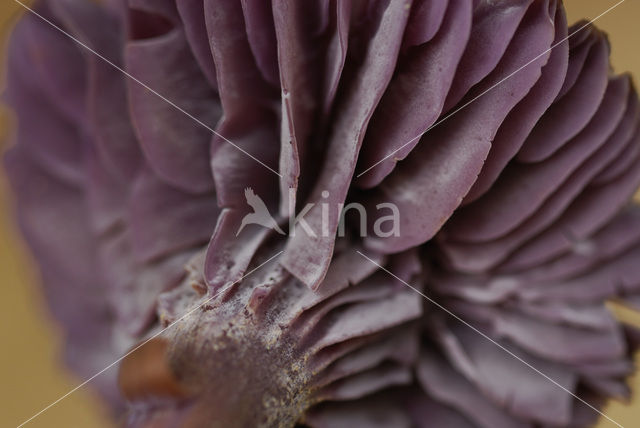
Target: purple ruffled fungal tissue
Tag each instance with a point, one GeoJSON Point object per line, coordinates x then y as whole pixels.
{"type": "Point", "coordinates": [330, 213]}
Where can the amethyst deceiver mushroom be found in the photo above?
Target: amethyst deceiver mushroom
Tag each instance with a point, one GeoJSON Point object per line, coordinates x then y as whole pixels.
{"type": "Point", "coordinates": [510, 152]}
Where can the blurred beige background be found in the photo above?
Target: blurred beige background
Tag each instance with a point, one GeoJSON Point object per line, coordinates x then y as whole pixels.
{"type": "Point", "coordinates": [31, 376]}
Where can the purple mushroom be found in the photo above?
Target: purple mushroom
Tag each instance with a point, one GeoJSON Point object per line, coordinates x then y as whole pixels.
{"type": "Point", "coordinates": [148, 130]}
